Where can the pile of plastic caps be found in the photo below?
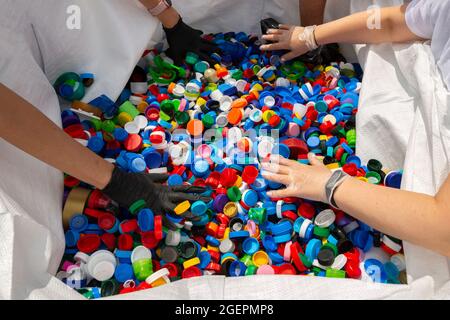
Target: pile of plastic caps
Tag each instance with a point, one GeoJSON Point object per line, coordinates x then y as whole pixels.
{"type": "Point", "coordinates": [212, 126]}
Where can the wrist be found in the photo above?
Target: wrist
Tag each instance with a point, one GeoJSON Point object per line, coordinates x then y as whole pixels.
{"type": "Point", "coordinates": [319, 33]}
{"type": "Point", "coordinates": [169, 18]}
{"type": "Point", "coordinates": [105, 175]}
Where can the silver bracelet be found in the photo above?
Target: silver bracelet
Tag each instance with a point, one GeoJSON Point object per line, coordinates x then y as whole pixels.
{"type": "Point", "coordinates": [308, 37]}
{"type": "Point", "coordinates": [336, 179]}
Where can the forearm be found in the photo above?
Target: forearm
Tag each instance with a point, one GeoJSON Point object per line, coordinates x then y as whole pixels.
{"type": "Point", "coordinates": [168, 18]}
{"type": "Point", "coordinates": [312, 12]}
{"type": "Point", "coordinates": [25, 127]}
{"type": "Point", "coordinates": [354, 29]}
{"type": "Point", "coordinates": [418, 218]}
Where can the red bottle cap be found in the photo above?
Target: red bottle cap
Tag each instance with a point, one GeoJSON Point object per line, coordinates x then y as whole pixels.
{"type": "Point", "coordinates": [213, 267]}
{"type": "Point", "coordinates": [290, 215]}
{"type": "Point", "coordinates": [306, 210]}
{"type": "Point", "coordinates": [215, 255]}
{"type": "Point", "coordinates": [250, 174]}
{"type": "Point", "coordinates": [149, 240]}
{"type": "Point", "coordinates": [93, 213]}
{"type": "Point", "coordinates": [109, 240]}
{"type": "Point", "coordinates": [143, 286]}
{"type": "Point", "coordinates": [129, 226]}
{"type": "Point", "coordinates": [191, 272]}
{"type": "Point", "coordinates": [106, 221]}
{"type": "Point", "coordinates": [97, 200]}
{"type": "Point", "coordinates": [173, 269]}
{"type": "Point", "coordinates": [352, 269]}
{"type": "Point", "coordinates": [125, 242]}
{"type": "Point", "coordinates": [71, 182]}
{"type": "Point", "coordinates": [285, 269]}
{"type": "Point", "coordinates": [133, 143]}
{"type": "Point", "coordinates": [158, 227]}
{"type": "Point", "coordinates": [88, 243]}
{"type": "Point", "coordinates": [228, 177]}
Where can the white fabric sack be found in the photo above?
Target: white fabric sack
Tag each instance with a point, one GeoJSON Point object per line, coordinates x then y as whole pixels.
{"type": "Point", "coordinates": [31, 235]}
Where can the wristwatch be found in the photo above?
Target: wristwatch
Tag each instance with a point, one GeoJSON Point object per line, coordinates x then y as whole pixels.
{"type": "Point", "coordinates": [333, 183]}
{"type": "Point", "coordinates": [162, 6]}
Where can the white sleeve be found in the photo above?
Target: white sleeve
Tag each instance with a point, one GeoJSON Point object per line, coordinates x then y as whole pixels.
{"type": "Point", "coordinates": [20, 72]}
{"type": "Point", "coordinates": [421, 16]}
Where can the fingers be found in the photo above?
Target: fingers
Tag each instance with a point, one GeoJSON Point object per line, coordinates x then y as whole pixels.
{"type": "Point", "coordinates": [282, 160]}
{"type": "Point", "coordinates": [180, 197]}
{"type": "Point", "coordinates": [169, 224]}
{"type": "Point", "coordinates": [289, 56]}
{"type": "Point", "coordinates": [313, 160]}
{"type": "Point", "coordinates": [205, 57]}
{"type": "Point", "coordinates": [274, 31]}
{"type": "Point", "coordinates": [283, 179]}
{"type": "Point", "coordinates": [158, 177]}
{"type": "Point", "coordinates": [285, 193]}
{"type": "Point", "coordinates": [272, 37]}
{"type": "Point", "coordinates": [285, 27]}
{"type": "Point", "coordinates": [208, 46]}
{"type": "Point", "coordinates": [275, 168]}
{"type": "Point", "coordinates": [273, 46]}
{"type": "Point", "coordinates": [188, 189]}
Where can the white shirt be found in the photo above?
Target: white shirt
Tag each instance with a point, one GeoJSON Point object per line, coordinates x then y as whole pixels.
{"type": "Point", "coordinates": [430, 19]}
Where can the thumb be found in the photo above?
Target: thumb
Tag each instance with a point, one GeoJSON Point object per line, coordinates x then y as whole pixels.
{"type": "Point", "coordinates": [313, 160]}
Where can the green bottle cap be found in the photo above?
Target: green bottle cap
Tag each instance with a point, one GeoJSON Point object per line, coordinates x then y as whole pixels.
{"type": "Point", "coordinates": [321, 232]}
{"type": "Point", "coordinates": [258, 215]}
{"type": "Point", "coordinates": [373, 177]}
{"type": "Point", "coordinates": [234, 194]}
{"type": "Point", "coordinates": [251, 270]}
{"type": "Point", "coordinates": [137, 206]}
{"type": "Point", "coordinates": [129, 108]}
{"type": "Point", "coordinates": [208, 121]}
{"type": "Point", "coordinates": [108, 126]}
{"type": "Point", "coordinates": [333, 273]}
{"type": "Point", "coordinates": [191, 58]}
{"type": "Point", "coordinates": [143, 269]}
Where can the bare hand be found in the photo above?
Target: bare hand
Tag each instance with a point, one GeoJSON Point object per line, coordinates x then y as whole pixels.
{"type": "Point", "coordinates": [286, 38]}
{"type": "Point", "coordinates": [301, 181]}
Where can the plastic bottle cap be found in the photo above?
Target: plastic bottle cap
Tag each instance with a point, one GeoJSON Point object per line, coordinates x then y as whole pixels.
{"type": "Point", "coordinates": [265, 270]}
{"type": "Point", "coordinates": [182, 207]}
{"type": "Point", "coordinates": [140, 253]}
{"type": "Point", "coordinates": [260, 258]}
{"type": "Point", "coordinates": [325, 218]}
{"type": "Point", "coordinates": [101, 265]}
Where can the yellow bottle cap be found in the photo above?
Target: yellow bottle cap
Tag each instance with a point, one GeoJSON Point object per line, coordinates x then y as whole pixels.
{"type": "Point", "coordinates": [190, 263]}
{"type": "Point", "coordinates": [182, 207]}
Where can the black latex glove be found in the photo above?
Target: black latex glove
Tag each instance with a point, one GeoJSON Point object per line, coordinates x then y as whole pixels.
{"type": "Point", "coordinates": [183, 39]}
{"type": "Point", "coordinates": [127, 188]}
{"type": "Point", "coordinates": [324, 55]}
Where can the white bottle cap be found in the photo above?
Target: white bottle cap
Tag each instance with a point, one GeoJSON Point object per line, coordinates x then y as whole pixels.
{"type": "Point", "coordinates": [140, 253]}
{"type": "Point", "coordinates": [131, 128]}
{"type": "Point", "coordinates": [325, 218]}
{"type": "Point", "coordinates": [164, 272]}
{"type": "Point", "coordinates": [141, 122]}
{"type": "Point", "coordinates": [339, 262]}
{"type": "Point", "coordinates": [226, 245]}
{"type": "Point", "coordinates": [101, 265]}
{"type": "Point", "coordinates": [173, 238]}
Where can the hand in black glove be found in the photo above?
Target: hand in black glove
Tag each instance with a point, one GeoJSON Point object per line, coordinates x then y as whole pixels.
{"type": "Point", "coordinates": [183, 39]}
{"type": "Point", "coordinates": [127, 188]}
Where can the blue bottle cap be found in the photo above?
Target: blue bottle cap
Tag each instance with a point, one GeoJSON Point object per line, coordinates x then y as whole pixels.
{"type": "Point", "coordinates": [375, 270]}
{"type": "Point", "coordinates": [269, 243]}
{"type": "Point", "coordinates": [199, 208]}
{"type": "Point", "coordinates": [239, 234]}
{"type": "Point", "coordinates": [124, 272]}
{"type": "Point", "coordinates": [137, 165]}
{"type": "Point", "coordinates": [72, 238]}
{"type": "Point", "coordinates": [313, 142]}
{"type": "Point", "coordinates": [146, 220]}
{"type": "Point", "coordinates": [78, 223]}
{"type": "Point", "coordinates": [250, 246]}
{"type": "Point", "coordinates": [153, 160]}
{"type": "Point", "coordinates": [205, 259]}
{"type": "Point", "coordinates": [281, 228]}
{"type": "Point", "coordinates": [212, 241]}
{"type": "Point", "coordinates": [275, 257]}
{"type": "Point", "coordinates": [250, 198]}
{"type": "Point", "coordinates": [237, 269]}
{"type": "Point", "coordinates": [313, 248]}
{"type": "Point", "coordinates": [175, 180]}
